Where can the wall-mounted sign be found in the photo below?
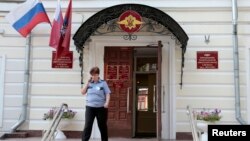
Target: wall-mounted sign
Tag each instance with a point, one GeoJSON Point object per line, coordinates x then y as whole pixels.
{"type": "Point", "coordinates": [207, 59]}
{"type": "Point", "coordinates": [118, 72]}
{"type": "Point", "coordinates": [112, 72]}
{"type": "Point", "coordinates": [130, 21]}
{"type": "Point", "coordinates": [64, 61]}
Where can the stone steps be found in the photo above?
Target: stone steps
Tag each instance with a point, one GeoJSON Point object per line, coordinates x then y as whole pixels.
{"type": "Point", "coordinates": [14, 135]}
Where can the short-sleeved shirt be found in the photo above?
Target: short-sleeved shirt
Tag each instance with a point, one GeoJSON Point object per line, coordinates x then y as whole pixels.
{"type": "Point", "coordinates": [96, 93]}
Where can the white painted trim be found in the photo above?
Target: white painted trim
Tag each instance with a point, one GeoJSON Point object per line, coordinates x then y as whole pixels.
{"type": "Point", "coordinates": [165, 81]}
{"type": "Point", "coordinates": [97, 5]}
{"type": "Point", "coordinates": [248, 83]}
{"type": "Point", "coordinates": [172, 92]}
{"type": "Point", "coordinates": [2, 77]}
{"type": "Point", "coordinates": [96, 57]}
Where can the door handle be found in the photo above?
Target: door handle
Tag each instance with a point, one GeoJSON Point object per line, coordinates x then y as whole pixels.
{"type": "Point", "coordinates": [128, 101]}
{"type": "Point", "coordinates": [163, 99]}
{"type": "Point", "coordinates": [155, 100]}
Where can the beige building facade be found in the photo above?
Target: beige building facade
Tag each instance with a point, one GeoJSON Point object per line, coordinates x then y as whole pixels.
{"type": "Point", "coordinates": [208, 25]}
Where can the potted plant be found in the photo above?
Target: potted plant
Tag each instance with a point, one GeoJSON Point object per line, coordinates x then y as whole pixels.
{"type": "Point", "coordinates": [67, 114]}
{"type": "Point", "coordinates": [208, 115]}
{"type": "Point", "coordinates": [205, 117]}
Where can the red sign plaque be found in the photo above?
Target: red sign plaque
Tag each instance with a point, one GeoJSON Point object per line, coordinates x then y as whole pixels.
{"type": "Point", "coordinates": [64, 61]}
{"type": "Point", "coordinates": [124, 72]}
{"type": "Point", "coordinates": [207, 59]}
{"type": "Point", "coordinates": [112, 72]}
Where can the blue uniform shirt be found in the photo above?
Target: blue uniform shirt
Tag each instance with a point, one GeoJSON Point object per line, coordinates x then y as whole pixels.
{"type": "Point", "coordinates": [96, 93]}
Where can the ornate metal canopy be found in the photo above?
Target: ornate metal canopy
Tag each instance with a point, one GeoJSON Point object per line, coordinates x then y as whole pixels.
{"type": "Point", "coordinates": [106, 16]}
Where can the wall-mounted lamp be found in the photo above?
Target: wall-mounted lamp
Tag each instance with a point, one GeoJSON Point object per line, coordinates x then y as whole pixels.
{"type": "Point", "coordinates": [207, 39]}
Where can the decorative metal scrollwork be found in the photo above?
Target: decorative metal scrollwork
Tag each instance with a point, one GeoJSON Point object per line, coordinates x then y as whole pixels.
{"type": "Point", "coordinates": [148, 26]}
{"type": "Point", "coordinates": [156, 21]}
{"type": "Point", "coordinates": [130, 37]}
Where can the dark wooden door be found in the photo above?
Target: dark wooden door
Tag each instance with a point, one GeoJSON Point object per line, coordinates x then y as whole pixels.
{"type": "Point", "coordinates": [146, 105]}
{"type": "Point", "coordinates": [118, 73]}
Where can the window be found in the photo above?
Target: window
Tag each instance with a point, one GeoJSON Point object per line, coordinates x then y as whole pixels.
{"type": "Point", "coordinates": [142, 102]}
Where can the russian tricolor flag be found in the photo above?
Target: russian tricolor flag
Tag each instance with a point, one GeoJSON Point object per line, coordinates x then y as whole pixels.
{"type": "Point", "coordinates": [27, 15]}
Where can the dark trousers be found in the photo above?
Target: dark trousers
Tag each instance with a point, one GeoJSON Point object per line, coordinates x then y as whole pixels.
{"type": "Point", "coordinates": [101, 115]}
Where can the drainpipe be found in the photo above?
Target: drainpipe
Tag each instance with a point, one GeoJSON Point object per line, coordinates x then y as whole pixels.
{"type": "Point", "coordinates": [236, 63]}
{"type": "Point", "coordinates": [26, 86]}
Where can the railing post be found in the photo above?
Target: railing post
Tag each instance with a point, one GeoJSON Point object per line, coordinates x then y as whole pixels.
{"type": "Point", "coordinates": [49, 133]}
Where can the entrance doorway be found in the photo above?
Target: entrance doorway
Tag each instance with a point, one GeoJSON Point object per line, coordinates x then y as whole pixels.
{"type": "Point", "coordinates": [104, 22]}
{"type": "Point", "coordinates": [131, 73]}
{"type": "Point", "coordinates": [145, 107]}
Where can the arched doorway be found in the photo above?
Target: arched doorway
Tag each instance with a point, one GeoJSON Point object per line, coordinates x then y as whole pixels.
{"type": "Point", "coordinates": [109, 16]}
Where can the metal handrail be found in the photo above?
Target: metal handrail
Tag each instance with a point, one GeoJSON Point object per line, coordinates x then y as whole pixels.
{"type": "Point", "coordinates": [154, 100]}
{"type": "Point", "coordinates": [49, 133]}
{"type": "Point", "coordinates": [192, 120]}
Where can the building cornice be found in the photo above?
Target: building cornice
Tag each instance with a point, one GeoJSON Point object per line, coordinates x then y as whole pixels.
{"type": "Point", "coordinates": [97, 5]}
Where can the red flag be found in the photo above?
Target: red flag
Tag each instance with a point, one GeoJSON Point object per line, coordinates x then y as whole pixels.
{"type": "Point", "coordinates": [67, 27]}
{"type": "Point", "coordinates": [55, 34]}
{"type": "Point", "coordinates": [64, 45]}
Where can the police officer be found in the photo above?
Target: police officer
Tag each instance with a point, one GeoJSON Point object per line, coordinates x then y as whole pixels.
{"type": "Point", "coordinates": [97, 100]}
